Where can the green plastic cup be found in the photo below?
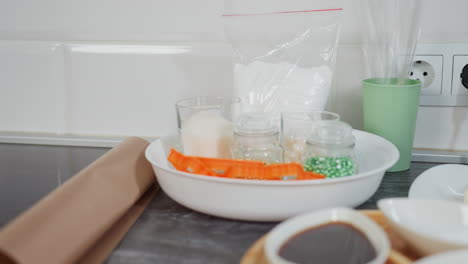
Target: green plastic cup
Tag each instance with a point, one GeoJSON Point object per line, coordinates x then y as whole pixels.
{"type": "Point", "coordinates": [390, 110]}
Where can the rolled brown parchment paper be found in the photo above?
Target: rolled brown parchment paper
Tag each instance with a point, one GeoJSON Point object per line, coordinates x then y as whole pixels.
{"type": "Point", "coordinates": [104, 245]}
{"type": "Point", "coordinates": [64, 225]}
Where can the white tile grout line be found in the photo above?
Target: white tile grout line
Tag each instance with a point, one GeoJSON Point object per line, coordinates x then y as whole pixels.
{"type": "Point", "coordinates": [62, 102]}
{"type": "Point", "coordinates": [60, 140]}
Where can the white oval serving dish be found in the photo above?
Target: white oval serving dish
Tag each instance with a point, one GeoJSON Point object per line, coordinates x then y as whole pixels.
{"type": "Point", "coordinates": [258, 200]}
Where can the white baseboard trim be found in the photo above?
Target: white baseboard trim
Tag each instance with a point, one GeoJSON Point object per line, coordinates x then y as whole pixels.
{"type": "Point", "coordinates": [440, 156]}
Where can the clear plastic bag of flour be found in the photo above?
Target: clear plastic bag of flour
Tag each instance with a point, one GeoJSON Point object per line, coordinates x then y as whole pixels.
{"type": "Point", "coordinates": [284, 59]}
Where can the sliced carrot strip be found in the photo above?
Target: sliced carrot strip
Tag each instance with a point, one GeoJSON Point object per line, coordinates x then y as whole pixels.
{"type": "Point", "coordinates": [240, 169]}
{"type": "Point", "coordinates": [177, 160]}
{"type": "Point", "coordinates": [188, 164]}
{"type": "Point", "coordinates": [220, 166]}
{"type": "Point", "coordinates": [246, 172]}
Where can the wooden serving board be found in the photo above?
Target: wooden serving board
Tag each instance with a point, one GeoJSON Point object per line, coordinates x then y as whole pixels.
{"type": "Point", "coordinates": [400, 253]}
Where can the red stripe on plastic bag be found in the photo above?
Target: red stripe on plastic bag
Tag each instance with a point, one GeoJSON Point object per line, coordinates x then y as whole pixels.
{"type": "Point", "coordinates": [286, 12]}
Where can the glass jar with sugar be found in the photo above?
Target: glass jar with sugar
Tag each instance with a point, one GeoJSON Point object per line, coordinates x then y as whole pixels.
{"type": "Point", "coordinates": [205, 125]}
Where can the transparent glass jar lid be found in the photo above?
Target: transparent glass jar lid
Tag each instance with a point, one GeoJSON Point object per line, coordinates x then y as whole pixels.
{"type": "Point", "coordinates": [331, 132]}
{"type": "Point", "coordinates": [256, 124]}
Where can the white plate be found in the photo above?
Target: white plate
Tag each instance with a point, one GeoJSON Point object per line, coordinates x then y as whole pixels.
{"type": "Point", "coordinates": [284, 231]}
{"type": "Point", "coordinates": [446, 182]}
{"type": "Point", "coordinates": [450, 257]}
{"type": "Point", "coordinates": [258, 200]}
{"type": "Point", "coordinates": [430, 226]}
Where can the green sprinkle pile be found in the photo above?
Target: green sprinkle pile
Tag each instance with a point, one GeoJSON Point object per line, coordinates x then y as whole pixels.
{"type": "Point", "coordinates": [331, 167]}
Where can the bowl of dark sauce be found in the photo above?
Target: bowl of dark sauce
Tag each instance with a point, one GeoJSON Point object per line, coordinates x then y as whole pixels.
{"type": "Point", "coordinates": [332, 236]}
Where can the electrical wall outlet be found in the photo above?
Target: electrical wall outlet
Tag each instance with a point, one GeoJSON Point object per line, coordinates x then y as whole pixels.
{"type": "Point", "coordinates": [460, 75]}
{"type": "Point", "coordinates": [453, 57]}
{"type": "Point", "coordinates": [428, 69]}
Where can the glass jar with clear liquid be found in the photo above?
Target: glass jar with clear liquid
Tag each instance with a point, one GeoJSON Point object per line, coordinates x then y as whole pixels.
{"type": "Point", "coordinates": [330, 149]}
{"type": "Point", "coordinates": [256, 137]}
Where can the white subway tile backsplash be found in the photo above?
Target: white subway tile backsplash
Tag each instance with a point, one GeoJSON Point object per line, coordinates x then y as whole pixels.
{"type": "Point", "coordinates": [31, 84]}
{"type": "Point", "coordinates": [117, 89]}
{"type": "Point", "coordinates": [442, 128]}
{"type": "Point", "coordinates": [144, 20]}
{"type": "Point", "coordinates": [129, 89]}
{"type": "Point", "coordinates": [179, 20]}
{"type": "Point", "coordinates": [116, 67]}
{"type": "Point", "coordinates": [347, 81]}
{"type": "Point", "coordinates": [444, 21]}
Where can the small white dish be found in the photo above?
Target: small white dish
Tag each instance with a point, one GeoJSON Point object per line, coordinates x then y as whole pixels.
{"type": "Point", "coordinates": [429, 226]}
{"type": "Point", "coordinates": [285, 230]}
{"type": "Point", "coordinates": [257, 200]}
{"type": "Point", "coordinates": [450, 257]}
{"type": "Point", "coordinates": [446, 182]}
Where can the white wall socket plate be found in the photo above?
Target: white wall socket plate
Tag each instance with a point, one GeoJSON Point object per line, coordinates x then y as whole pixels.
{"type": "Point", "coordinates": [459, 62]}
{"type": "Point", "coordinates": [454, 58]}
{"type": "Point", "coordinates": [428, 69]}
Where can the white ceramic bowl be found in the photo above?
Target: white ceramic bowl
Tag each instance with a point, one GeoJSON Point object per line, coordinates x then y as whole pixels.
{"type": "Point", "coordinates": [258, 200]}
{"type": "Point", "coordinates": [284, 231]}
{"type": "Point", "coordinates": [430, 226]}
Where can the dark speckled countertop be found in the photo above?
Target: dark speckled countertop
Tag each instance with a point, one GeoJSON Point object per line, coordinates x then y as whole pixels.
{"type": "Point", "coordinates": [166, 232]}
